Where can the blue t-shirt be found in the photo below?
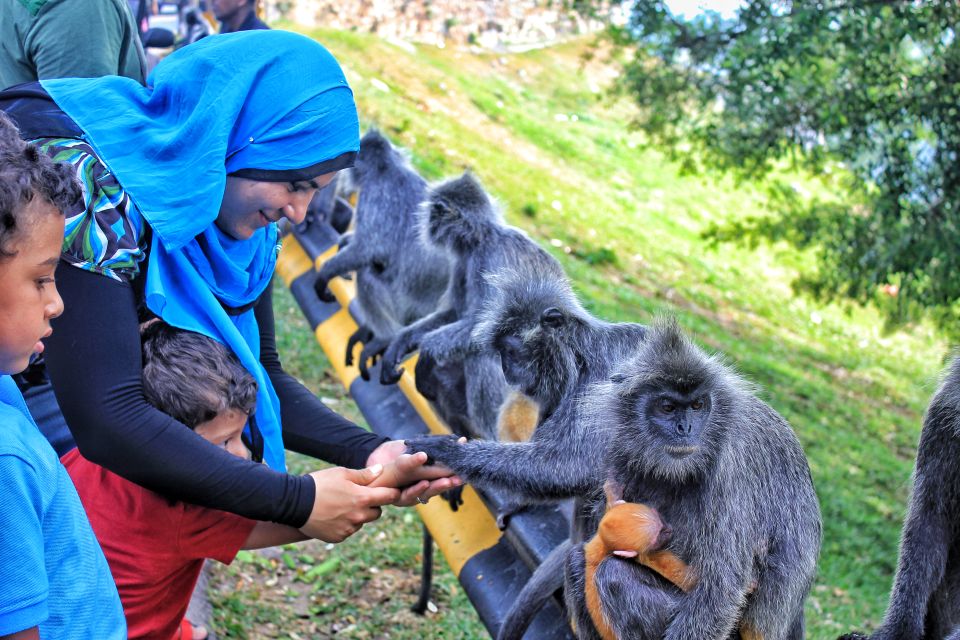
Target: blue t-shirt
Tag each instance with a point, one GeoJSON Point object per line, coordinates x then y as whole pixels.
{"type": "Point", "coordinates": [52, 571]}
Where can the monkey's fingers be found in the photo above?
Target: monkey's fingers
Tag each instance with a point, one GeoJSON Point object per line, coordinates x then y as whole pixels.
{"type": "Point", "coordinates": [390, 375]}
{"type": "Point", "coordinates": [364, 372]}
{"type": "Point", "coordinates": [323, 291]}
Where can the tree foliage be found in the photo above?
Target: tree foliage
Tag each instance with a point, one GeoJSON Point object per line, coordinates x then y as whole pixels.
{"type": "Point", "coordinates": [871, 88]}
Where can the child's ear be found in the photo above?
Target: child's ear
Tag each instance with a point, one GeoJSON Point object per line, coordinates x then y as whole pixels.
{"type": "Point", "coordinates": [613, 490]}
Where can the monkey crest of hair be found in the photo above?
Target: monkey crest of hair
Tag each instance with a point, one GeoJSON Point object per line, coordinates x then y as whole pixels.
{"type": "Point", "coordinates": [25, 173]}
{"type": "Point", "coordinates": [377, 155]}
{"type": "Point", "coordinates": [192, 377]}
{"type": "Point", "coordinates": [458, 214]}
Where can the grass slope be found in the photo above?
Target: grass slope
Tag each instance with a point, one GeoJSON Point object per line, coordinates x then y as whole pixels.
{"type": "Point", "coordinates": [626, 225]}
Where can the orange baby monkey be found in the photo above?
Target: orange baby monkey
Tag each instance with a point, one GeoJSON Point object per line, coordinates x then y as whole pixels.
{"type": "Point", "coordinates": [631, 530]}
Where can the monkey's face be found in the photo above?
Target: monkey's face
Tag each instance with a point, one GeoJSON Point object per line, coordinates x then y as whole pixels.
{"type": "Point", "coordinates": [535, 356]}
{"type": "Point", "coordinates": [668, 432]}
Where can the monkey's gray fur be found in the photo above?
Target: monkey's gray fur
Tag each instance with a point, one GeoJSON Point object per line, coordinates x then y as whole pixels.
{"type": "Point", "coordinates": [399, 279]}
{"type": "Point", "coordinates": [460, 217]}
{"type": "Point", "coordinates": [731, 479]}
{"type": "Point", "coordinates": [550, 349]}
{"type": "Point", "coordinates": [925, 600]}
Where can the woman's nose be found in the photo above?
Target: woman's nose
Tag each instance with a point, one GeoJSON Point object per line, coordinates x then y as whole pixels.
{"type": "Point", "coordinates": [296, 211]}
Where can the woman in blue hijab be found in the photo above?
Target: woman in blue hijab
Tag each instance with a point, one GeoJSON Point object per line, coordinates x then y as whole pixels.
{"type": "Point", "coordinates": [184, 180]}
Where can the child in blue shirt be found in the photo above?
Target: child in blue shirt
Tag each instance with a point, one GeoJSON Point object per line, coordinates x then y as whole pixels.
{"type": "Point", "coordinates": [54, 580]}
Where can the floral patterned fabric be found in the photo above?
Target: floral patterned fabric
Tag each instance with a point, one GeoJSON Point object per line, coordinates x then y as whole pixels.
{"type": "Point", "coordinates": [108, 236]}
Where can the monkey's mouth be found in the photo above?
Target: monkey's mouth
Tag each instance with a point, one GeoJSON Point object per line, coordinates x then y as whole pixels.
{"type": "Point", "coordinates": [678, 451]}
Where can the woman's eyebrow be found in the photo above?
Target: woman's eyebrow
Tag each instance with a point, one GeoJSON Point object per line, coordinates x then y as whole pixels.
{"type": "Point", "coordinates": [303, 184]}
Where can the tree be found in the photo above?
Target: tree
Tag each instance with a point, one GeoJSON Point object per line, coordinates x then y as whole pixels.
{"type": "Point", "coordinates": [871, 87]}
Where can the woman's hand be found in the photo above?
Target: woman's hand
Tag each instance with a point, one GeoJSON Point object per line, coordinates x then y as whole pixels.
{"type": "Point", "coordinates": [345, 501]}
{"type": "Point", "coordinates": [411, 473]}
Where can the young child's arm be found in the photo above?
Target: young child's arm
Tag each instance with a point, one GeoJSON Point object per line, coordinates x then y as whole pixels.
{"type": "Point", "coordinates": [271, 534]}
{"type": "Point", "coordinates": [27, 634]}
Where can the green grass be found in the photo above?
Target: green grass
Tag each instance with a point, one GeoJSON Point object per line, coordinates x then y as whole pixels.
{"type": "Point", "coordinates": [627, 226]}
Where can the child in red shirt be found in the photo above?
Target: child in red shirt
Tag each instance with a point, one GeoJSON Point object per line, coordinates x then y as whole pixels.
{"type": "Point", "coordinates": [156, 546]}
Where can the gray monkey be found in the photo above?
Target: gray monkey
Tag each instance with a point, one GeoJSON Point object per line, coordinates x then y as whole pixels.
{"type": "Point", "coordinates": [460, 217]}
{"type": "Point", "coordinates": [689, 438]}
{"type": "Point", "coordinates": [550, 349]}
{"type": "Point", "coordinates": [925, 600]}
{"type": "Point", "coordinates": [399, 279]}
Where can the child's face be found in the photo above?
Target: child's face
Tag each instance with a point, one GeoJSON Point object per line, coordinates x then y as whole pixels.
{"type": "Point", "coordinates": [28, 295]}
{"type": "Point", "coordinates": [224, 431]}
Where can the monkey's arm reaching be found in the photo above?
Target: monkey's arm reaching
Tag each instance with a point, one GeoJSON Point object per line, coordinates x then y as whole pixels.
{"type": "Point", "coordinates": [542, 469]}
{"type": "Point", "coordinates": [408, 340]}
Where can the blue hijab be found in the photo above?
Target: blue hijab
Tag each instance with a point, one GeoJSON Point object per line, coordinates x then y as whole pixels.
{"type": "Point", "coordinates": [266, 105]}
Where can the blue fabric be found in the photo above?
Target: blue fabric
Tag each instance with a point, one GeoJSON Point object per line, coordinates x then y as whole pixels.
{"type": "Point", "coordinates": [267, 100]}
{"type": "Point", "coordinates": [249, 100]}
{"type": "Point", "coordinates": [53, 573]}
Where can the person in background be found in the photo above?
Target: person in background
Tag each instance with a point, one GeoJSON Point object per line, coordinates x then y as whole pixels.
{"type": "Point", "coordinates": [237, 15]}
{"type": "Point", "coordinates": [42, 39]}
{"type": "Point", "coordinates": [54, 580]}
{"type": "Point", "coordinates": [36, 43]}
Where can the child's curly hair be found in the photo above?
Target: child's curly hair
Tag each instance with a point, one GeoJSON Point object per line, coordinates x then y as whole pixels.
{"type": "Point", "coordinates": [25, 173]}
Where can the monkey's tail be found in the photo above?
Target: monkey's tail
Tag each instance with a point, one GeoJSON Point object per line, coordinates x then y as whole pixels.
{"type": "Point", "coordinates": [541, 586]}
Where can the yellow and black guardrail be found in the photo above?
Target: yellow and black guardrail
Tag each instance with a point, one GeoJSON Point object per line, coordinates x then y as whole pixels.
{"type": "Point", "coordinates": [492, 565]}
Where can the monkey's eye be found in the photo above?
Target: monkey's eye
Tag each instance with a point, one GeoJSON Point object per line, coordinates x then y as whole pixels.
{"type": "Point", "coordinates": [697, 405]}
{"type": "Point", "coordinates": [666, 406]}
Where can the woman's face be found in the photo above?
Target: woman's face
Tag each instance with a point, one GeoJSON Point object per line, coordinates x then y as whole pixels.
{"type": "Point", "coordinates": [249, 205]}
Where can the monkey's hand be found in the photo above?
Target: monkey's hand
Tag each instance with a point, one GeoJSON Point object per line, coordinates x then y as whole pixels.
{"type": "Point", "coordinates": [363, 335]}
{"type": "Point", "coordinates": [320, 286]}
{"type": "Point", "coordinates": [853, 636]}
{"type": "Point", "coordinates": [389, 371]}
{"type": "Point", "coordinates": [438, 448]}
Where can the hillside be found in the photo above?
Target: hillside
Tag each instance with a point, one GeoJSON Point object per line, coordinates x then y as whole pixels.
{"type": "Point", "coordinates": [540, 131]}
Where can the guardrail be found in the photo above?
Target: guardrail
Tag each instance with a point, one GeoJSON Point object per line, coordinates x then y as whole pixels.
{"type": "Point", "coordinates": [492, 565]}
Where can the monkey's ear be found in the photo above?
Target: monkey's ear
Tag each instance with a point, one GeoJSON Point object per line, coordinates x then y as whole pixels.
{"type": "Point", "coordinates": [551, 318]}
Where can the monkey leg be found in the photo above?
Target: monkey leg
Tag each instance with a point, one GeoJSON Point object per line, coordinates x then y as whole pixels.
{"type": "Point", "coordinates": [426, 575]}
{"type": "Point", "coordinates": [635, 602]}
{"type": "Point", "coordinates": [453, 497]}
{"type": "Point", "coordinates": [507, 511]}
{"type": "Point", "coordinates": [363, 334]}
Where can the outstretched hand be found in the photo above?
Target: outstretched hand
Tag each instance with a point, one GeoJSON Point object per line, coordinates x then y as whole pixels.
{"type": "Point", "coordinates": [411, 472]}
{"type": "Point", "coordinates": [345, 500]}
{"type": "Point", "coordinates": [439, 449]}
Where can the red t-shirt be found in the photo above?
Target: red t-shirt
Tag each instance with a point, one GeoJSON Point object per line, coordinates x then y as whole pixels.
{"type": "Point", "coordinates": [155, 547]}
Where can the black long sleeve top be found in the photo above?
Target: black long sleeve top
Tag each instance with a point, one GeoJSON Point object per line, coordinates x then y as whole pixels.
{"type": "Point", "coordinates": [94, 362]}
